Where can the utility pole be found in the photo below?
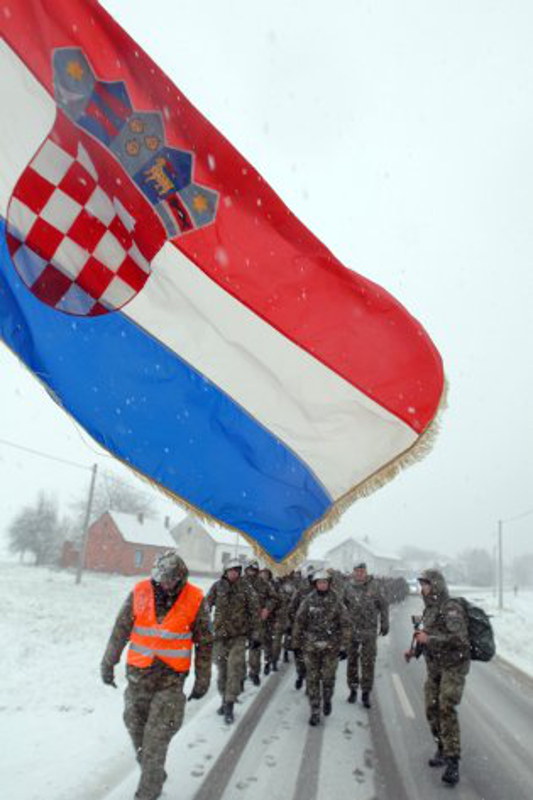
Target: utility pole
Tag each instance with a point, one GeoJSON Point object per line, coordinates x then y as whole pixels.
{"type": "Point", "coordinates": [500, 564]}
{"type": "Point", "coordinates": [83, 546]}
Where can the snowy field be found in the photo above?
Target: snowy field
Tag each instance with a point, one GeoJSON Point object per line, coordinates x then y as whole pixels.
{"type": "Point", "coordinates": [61, 729]}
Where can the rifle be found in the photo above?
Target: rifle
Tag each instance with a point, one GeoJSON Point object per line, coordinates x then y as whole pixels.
{"type": "Point", "coordinates": [416, 649]}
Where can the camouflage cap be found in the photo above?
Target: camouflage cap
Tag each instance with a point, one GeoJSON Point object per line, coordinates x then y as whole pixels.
{"type": "Point", "coordinates": [361, 565]}
{"type": "Point", "coordinates": [169, 566]}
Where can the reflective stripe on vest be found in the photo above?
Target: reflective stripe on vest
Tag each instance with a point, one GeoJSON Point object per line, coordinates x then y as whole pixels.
{"type": "Point", "coordinates": [150, 639]}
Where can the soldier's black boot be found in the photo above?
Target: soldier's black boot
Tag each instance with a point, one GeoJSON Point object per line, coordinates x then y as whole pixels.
{"type": "Point", "coordinates": [299, 682]}
{"type": "Point", "coordinates": [314, 719]}
{"type": "Point", "coordinates": [365, 697]}
{"type": "Point", "coordinates": [438, 759]}
{"type": "Point", "coordinates": [256, 680]}
{"type": "Point", "coordinates": [286, 656]}
{"type": "Point", "coordinates": [274, 666]}
{"type": "Point", "coordinates": [228, 714]}
{"type": "Point", "coordinates": [451, 773]}
{"type": "Point", "coordinates": [352, 697]}
{"type": "Point", "coordinates": [267, 668]}
{"type": "Point", "coordinates": [327, 706]}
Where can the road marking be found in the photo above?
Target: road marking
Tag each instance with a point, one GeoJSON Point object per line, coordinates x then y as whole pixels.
{"type": "Point", "coordinates": [402, 696]}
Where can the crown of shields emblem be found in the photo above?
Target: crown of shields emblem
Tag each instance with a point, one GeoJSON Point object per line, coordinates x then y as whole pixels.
{"type": "Point", "coordinates": [100, 197]}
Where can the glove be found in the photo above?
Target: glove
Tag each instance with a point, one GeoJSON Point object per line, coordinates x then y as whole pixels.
{"type": "Point", "coordinates": [107, 672]}
{"type": "Point", "coordinates": [255, 644]}
{"type": "Point", "coordinates": [343, 655]}
{"type": "Point", "coordinates": [196, 693]}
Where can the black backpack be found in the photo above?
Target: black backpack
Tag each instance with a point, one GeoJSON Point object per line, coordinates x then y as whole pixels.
{"type": "Point", "coordinates": [481, 635]}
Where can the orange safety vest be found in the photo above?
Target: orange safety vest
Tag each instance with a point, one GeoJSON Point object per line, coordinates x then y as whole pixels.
{"type": "Point", "coordinates": [169, 640]}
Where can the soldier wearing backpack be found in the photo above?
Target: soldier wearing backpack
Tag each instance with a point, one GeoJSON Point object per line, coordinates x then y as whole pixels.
{"type": "Point", "coordinates": [445, 641]}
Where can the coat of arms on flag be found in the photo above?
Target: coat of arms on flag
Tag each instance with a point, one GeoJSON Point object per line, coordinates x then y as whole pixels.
{"type": "Point", "coordinates": [100, 197]}
{"type": "Point", "coordinates": [218, 348]}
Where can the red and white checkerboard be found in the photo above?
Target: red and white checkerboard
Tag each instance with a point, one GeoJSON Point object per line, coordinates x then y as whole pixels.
{"type": "Point", "coordinates": [72, 243]}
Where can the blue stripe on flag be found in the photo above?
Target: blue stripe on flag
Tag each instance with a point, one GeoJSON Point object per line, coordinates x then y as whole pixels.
{"type": "Point", "coordinates": [154, 411]}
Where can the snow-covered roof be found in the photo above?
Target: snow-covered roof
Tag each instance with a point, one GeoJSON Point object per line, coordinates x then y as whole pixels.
{"type": "Point", "coordinates": [150, 531]}
{"type": "Point", "coordinates": [224, 536]}
{"type": "Point", "coordinates": [365, 546]}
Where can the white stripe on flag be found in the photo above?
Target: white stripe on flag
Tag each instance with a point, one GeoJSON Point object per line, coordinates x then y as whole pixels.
{"type": "Point", "coordinates": [28, 113]}
{"type": "Point", "coordinates": [342, 435]}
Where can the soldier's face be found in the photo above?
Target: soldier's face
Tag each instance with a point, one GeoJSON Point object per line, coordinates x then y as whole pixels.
{"type": "Point", "coordinates": [322, 585]}
{"type": "Point", "coordinates": [359, 574]}
{"type": "Point", "coordinates": [425, 588]}
{"type": "Point", "coordinates": [233, 575]}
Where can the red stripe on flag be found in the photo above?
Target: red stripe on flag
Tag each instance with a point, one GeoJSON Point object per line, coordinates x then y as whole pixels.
{"type": "Point", "coordinates": [260, 253]}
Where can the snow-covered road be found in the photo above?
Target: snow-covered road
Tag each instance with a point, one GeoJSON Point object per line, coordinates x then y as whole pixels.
{"type": "Point", "coordinates": [62, 733]}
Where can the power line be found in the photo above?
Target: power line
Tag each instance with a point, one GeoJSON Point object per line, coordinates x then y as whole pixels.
{"type": "Point", "coordinates": [45, 455]}
{"type": "Point", "coordinates": [519, 516]}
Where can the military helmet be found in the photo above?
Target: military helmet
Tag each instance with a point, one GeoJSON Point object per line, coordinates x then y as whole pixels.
{"type": "Point", "coordinates": [253, 564]}
{"type": "Point", "coordinates": [233, 563]}
{"type": "Point", "coordinates": [321, 575]}
{"type": "Point", "coordinates": [169, 566]}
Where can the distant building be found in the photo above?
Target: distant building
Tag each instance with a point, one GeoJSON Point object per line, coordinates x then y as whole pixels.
{"type": "Point", "coordinates": [128, 544]}
{"type": "Point", "coordinates": [123, 543]}
{"type": "Point", "coordinates": [206, 548]}
{"type": "Point", "coordinates": [353, 551]}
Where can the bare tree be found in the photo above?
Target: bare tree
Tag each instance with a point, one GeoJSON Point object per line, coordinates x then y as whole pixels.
{"type": "Point", "coordinates": [523, 570]}
{"type": "Point", "coordinates": [113, 494]}
{"type": "Point", "coordinates": [38, 530]}
{"type": "Point", "coordinates": [479, 567]}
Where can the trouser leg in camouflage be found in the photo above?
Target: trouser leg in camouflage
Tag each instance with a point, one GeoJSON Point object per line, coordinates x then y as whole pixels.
{"type": "Point", "coordinates": [254, 661]}
{"type": "Point", "coordinates": [276, 641]}
{"type": "Point", "coordinates": [443, 691]}
{"type": "Point", "coordinates": [313, 661]}
{"type": "Point", "coordinates": [268, 637]}
{"type": "Point", "coordinates": [368, 661]}
{"type": "Point", "coordinates": [152, 718]}
{"type": "Point", "coordinates": [361, 660]}
{"type": "Point", "coordinates": [299, 662]}
{"type": "Point", "coordinates": [321, 668]}
{"type": "Point", "coordinates": [230, 658]}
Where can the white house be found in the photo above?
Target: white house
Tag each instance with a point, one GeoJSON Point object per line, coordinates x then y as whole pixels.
{"type": "Point", "coordinates": [205, 547]}
{"type": "Point", "coordinates": [350, 552]}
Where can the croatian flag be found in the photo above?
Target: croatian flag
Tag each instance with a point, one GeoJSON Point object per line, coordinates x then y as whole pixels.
{"type": "Point", "coordinates": [172, 303]}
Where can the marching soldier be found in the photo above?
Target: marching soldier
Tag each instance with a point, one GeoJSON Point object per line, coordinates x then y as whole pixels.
{"type": "Point", "coordinates": [367, 610]}
{"type": "Point", "coordinates": [236, 620]}
{"type": "Point", "coordinates": [322, 631]}
{"type": "Point", "coordinates": [445, 641]}
{"type": "Point", "coordinates": [162, 619]}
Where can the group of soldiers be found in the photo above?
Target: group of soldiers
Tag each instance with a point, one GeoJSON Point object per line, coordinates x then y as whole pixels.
{"type": "Point", "coordinates": [251, 620]}
{"type": "Point", "coordinates": [323, 617]}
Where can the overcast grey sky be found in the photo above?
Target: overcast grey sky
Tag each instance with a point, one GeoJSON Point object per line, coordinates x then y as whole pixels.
{"type": "Point", "coordinates": [402, 135]}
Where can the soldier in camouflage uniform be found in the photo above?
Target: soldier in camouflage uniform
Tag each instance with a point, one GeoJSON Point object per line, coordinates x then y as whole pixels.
{"type": "Point", "coordinates": [236, 622]}
{"type": "Point", "coordinates": [367, 609]}
{"type": "Point", "coordinates": [446, 646]}
{"type": "Point", "coordinates": [158, 662]}
{"type": "Point", "coordinates": [304, 587]}
{"type": "Point", "coordinates": [322, 631]}
{"type": "Point", "coordinates": [270, 620]}
{"type": "Point", "coordinates": [267, 599]}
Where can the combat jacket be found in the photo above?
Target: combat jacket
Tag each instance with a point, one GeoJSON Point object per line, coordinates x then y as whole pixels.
{"type": "Point", "coordinates": [321, 623]}
{"type": "Point", "coordinates": [366, 607]}
{"type": "Point", "coordinates": [236, 609]}
{"type": "Point", "coordinates": [445, 622]}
